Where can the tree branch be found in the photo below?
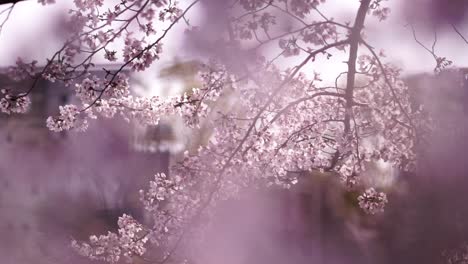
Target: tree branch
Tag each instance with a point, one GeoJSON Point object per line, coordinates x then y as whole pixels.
{"type": "Point", "coordinates": [354, 39]}
{"type": "Point", "coordinates": [4, 2]}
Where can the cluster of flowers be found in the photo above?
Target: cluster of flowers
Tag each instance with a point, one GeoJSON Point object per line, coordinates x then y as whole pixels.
{"type": "Point", "coordinates": [20, 102]}
{"type": "Point", "coordinates": [379, 11]}
{"type": "Point", "coordinates": [91, 31]}
{"type": "Point", "coordinates": [92, 28]}
{"type": "Point", "coordinates": [456, 255]}
{"type": "Point", "coordinates": [265, 138]}
{"type": "Point", "coordinates": [129, 241]}
{"type": "Point", "coordinates": [282, 123]}
{"type": "Point", "coordinates": [372, 202]}
{"type": "Point", "coordinates": [169, 205]}
{"type": "Point", "coordinates": [14, 104]}
{"type": "Point", "coordinates": [110, 96]}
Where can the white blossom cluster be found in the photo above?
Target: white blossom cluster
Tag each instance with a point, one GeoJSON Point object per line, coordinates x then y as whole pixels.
{"type": "Point", "coordinates": [268, 125]}
{"type": "Point", "coordinates": [15, 104]}
{"type": "Point", "coordinates": [93, 89]}
{"type": "Point", "coordinates": [130, 241]}
{"type": "Point", "coordinates": [87, 90]}
{"type": "Point", "coordinates": [160, 189]}
{"type": "Point", "coordinates": [19, 103]}
{"type": "Point", "coordinates": [139, 55]}
{"type": "Point", "coordinates": [112, 96]}
{"type": "Point", "coordinates": [372, 202]}
{"type": "Point", "coordinates": [69, 118]}
{"type": "Point", "coordinates": [22, 70]}
{"type": "Point", "coordinates": [458, 255]}
{"type": "Point", "coordinates": [173, 204]}
{"type": "Point", "coordinates": [91, 29]}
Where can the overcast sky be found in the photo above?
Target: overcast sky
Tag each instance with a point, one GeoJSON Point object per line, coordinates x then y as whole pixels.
{"type": "Point", "coordinates": [29, 33]}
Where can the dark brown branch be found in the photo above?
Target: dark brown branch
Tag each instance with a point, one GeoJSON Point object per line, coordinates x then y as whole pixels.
{"type": "Point", "coordinates": [9, 10]}
{"type": "Point", "coordinates": [354, 38]}
{"type": "Point", "coordinates": [4, 2]}
{"type": "Point", "coordinates": [441, 62]}
{"type": "Point", "coordinates": [459, 33]}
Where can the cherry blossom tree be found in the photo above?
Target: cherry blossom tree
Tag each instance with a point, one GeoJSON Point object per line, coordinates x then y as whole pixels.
{"type": "Point", "coordinates": [270, 124]}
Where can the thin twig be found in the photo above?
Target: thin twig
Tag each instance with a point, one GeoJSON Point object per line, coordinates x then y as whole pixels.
{"type": "Point", "coordinates": [459, 33]}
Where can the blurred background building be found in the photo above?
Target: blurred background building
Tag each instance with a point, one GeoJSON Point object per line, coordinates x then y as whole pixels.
{"type": "Point", "coordinates": [58, 186]}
